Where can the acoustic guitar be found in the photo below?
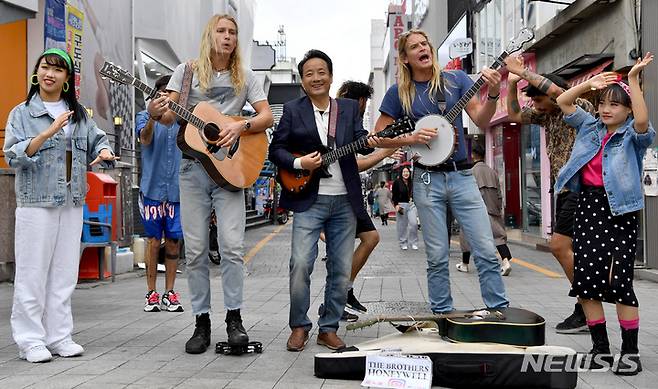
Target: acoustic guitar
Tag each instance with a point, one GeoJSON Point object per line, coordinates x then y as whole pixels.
{"type": "Point", "coordinates": [232, 168]}
{"type": "Point", "coordinates": [441, 147]}
{"type": "Point", "coordinates": [513, 326]}
{"type": "Point", "coordinates": [296, 181]}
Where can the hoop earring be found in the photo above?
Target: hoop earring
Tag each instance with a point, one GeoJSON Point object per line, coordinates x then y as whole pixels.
{"type": "Point", "coordinates": [66, 87]}
{"type": "Point", "coordinates": [33, 78]}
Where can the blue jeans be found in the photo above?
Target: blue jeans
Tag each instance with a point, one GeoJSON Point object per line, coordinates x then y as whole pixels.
{"type": "Point", "coordinates": [198, 195]}
{"type": "Point", "coordinates": [433, 191]}
{"type": "Point", "coordinates": [334, 215]}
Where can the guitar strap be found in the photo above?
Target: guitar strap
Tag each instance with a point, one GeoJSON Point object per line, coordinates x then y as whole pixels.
{"type": "Point", "coordinates": [187, 84]}
{"type": "Point", "coordinates": [333, 119]}
{"type": "Point", "coordinates": [440, 96]}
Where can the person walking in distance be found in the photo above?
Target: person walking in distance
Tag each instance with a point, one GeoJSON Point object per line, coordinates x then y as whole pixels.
{"type": "Point", "coordinates": [487, 181]}
{"type": "Point", "coordinates": [406, 223]}
{"type": "Point", "coordinates": [384, 200]}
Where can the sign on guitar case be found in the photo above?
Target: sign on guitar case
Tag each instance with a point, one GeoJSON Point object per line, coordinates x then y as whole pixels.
{"type": "Point", "coordinates": [398, 371]}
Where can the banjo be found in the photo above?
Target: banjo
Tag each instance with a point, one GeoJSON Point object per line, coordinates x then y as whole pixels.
{"type": "Point", "coordinates": [441, 147]}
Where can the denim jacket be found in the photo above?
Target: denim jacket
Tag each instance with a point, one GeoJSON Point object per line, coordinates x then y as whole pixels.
{"type": "Point", "coordinates": [41, 178]}
{"type": "Point", "coordinates": [621, 160]}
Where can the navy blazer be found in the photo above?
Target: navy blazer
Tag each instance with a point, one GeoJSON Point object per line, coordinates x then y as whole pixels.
{"type": "Point", "coordinates": [298, 133]}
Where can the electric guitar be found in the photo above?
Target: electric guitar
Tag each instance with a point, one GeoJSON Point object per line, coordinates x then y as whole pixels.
{"type": "Point", "coordinates": [441, 147]}
{"type": "Point", "coordinates": [296, 181]}
{"type": "Point", "coordinates": [232, 168]}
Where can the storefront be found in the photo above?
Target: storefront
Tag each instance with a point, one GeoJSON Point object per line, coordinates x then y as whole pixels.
{"type": "Point", "coordinates": [13, 39]}
{"type": "Point", "coordinates": [518, 154]}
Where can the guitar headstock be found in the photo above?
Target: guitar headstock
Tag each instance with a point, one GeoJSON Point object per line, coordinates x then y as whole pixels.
{"type": "Point", "coordinates": [404, 125]}
{"type": "Point", "coordinates": [525, 35]}
{"type": "Point", "coordinates": [116, 73]}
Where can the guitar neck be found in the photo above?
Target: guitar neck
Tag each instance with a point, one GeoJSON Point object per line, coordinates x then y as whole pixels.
{"type": "Point", "coordinates": [350, 148]}
{"type": "Point", "coordinates": [178, 109]}
{"type": "Point", "coordinates": [456, 110]}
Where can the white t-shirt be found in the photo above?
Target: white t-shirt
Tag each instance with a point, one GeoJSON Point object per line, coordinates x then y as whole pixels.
{"type": "Point", "coordinates": [55, 109]}
{"type": "Point", "coordinates": [221, 93]}
{"type": "Point", "coordinates": [334, 185]}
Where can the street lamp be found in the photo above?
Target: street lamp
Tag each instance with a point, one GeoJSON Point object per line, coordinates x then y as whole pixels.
{"type": "Point", "coordinates": [118, 123]}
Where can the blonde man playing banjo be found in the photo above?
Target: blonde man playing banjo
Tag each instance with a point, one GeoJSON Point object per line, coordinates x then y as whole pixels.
{"type": "Point", "coordinates": [422, 86]}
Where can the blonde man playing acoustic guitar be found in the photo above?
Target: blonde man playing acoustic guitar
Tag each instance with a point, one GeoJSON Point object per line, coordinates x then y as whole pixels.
{"type": "Point", "coordinates": [220, 80]}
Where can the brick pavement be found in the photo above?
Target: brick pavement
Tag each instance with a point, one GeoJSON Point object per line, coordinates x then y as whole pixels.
{"type": "Point", "coordinates": [127, 348]}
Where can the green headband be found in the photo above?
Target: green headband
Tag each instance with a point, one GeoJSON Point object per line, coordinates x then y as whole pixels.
{"type": "Point", "coordinates": [62, 54]}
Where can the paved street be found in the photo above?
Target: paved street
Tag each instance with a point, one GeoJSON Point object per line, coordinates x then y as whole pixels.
{"type": "Point", "coordinates": [127, 348]}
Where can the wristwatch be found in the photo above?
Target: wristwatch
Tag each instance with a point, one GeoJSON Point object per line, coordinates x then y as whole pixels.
{"type": "Point", "coordinates": [247, 124]}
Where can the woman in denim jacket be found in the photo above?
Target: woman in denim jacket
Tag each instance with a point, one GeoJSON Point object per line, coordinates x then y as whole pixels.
{"type": "Point", "coordinates": [605, 167]}
{"type": "Point", "coordinates": [49, 141]}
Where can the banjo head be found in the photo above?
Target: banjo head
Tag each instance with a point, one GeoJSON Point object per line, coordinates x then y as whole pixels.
{"type": "Point", "coordinates": [441, 147]}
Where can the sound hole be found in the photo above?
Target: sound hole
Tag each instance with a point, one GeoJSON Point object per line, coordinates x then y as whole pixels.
{"type": "Point", "coordinates": [211, 132]}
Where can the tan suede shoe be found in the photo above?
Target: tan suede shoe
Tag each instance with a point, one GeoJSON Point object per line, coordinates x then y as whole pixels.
{"type": "Point", "coordinates": [330, 340]}
{"type": "Point", "coordinates": [297, 339]}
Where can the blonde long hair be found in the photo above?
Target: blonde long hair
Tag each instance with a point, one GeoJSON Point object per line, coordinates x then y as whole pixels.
{"type": "Point", "coordinates": [203, 65]}
{"type": "Point", "coordinates": [406, 87]}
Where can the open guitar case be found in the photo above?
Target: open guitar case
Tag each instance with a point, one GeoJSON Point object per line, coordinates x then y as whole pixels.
{"type": "Point", "coordinates": [458, 364]}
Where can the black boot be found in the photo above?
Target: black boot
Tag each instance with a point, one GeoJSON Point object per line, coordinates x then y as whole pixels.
{"type": "Point", "coordinates": [200, 340]}
{"type": "Point", "coordinates": [629, 364]}
{"type": "Point", "coordinates": [600, 347]}
{"type": "Point", "coordinates": [237, 335]}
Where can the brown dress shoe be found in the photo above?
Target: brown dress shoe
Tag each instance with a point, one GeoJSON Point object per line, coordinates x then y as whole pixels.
{"type": "Point", "coordinates": [330, 340]}
{"type": "Point", "coordinates": [297, 339]}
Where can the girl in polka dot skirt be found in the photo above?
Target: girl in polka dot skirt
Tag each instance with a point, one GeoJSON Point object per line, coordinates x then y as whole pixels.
{"type": "Point", "coordinates": [605, 167]}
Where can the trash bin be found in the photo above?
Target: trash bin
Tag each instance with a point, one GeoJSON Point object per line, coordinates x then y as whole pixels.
{"type": "Point", "coordinates": [100, 206]}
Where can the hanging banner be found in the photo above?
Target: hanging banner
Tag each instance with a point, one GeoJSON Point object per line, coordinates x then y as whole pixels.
{"type": "Point", "coordinates": [53, 24]}
{"type": "Point", "coordinates": [74, 22]}
{"type": "Point", "coordinates": [397, 25]}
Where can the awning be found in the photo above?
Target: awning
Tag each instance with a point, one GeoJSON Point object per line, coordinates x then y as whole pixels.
{"type": "Point", "coordinates": [11, 11]}
{"type": "Point", "coordinates": [582, 77]}
{"type": "Point", "coordinates": [585, 67]}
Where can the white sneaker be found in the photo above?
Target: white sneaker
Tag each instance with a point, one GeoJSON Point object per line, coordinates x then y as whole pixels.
{"type": "Point", "coordinates": [462, 267]}
{"type": "Point", "coordinates": [36, 354]}
{"type": "Point", "coordinates": [404, 247]}
{"type": "Point", "coordinates": [415, 247]}
{"type": "Point", "coordinates": [67, 348]}
{"type": "Point", "coordinates": [505, 267]}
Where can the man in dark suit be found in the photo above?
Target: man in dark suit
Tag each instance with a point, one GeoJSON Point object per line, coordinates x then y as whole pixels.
{"type": "Point", "coordinates": [328, 204]}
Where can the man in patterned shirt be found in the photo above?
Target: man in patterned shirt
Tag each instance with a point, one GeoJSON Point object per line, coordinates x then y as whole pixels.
{"type": "Point", "coordinates": [543, 90]}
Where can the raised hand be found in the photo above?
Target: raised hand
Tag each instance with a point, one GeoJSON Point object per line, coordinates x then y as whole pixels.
{"type": "Point", "coordinates": [602, 80]}
{"type": "Point", "coordinates": [514, 64]}
{"type": "Point", "coordinates": [60, 122]}
{"type": "Point", "coordinates": [640, 64]}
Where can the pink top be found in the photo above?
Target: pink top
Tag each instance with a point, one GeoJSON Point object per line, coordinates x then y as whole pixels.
{"type": "Point", "coordinates": [592, 173]}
